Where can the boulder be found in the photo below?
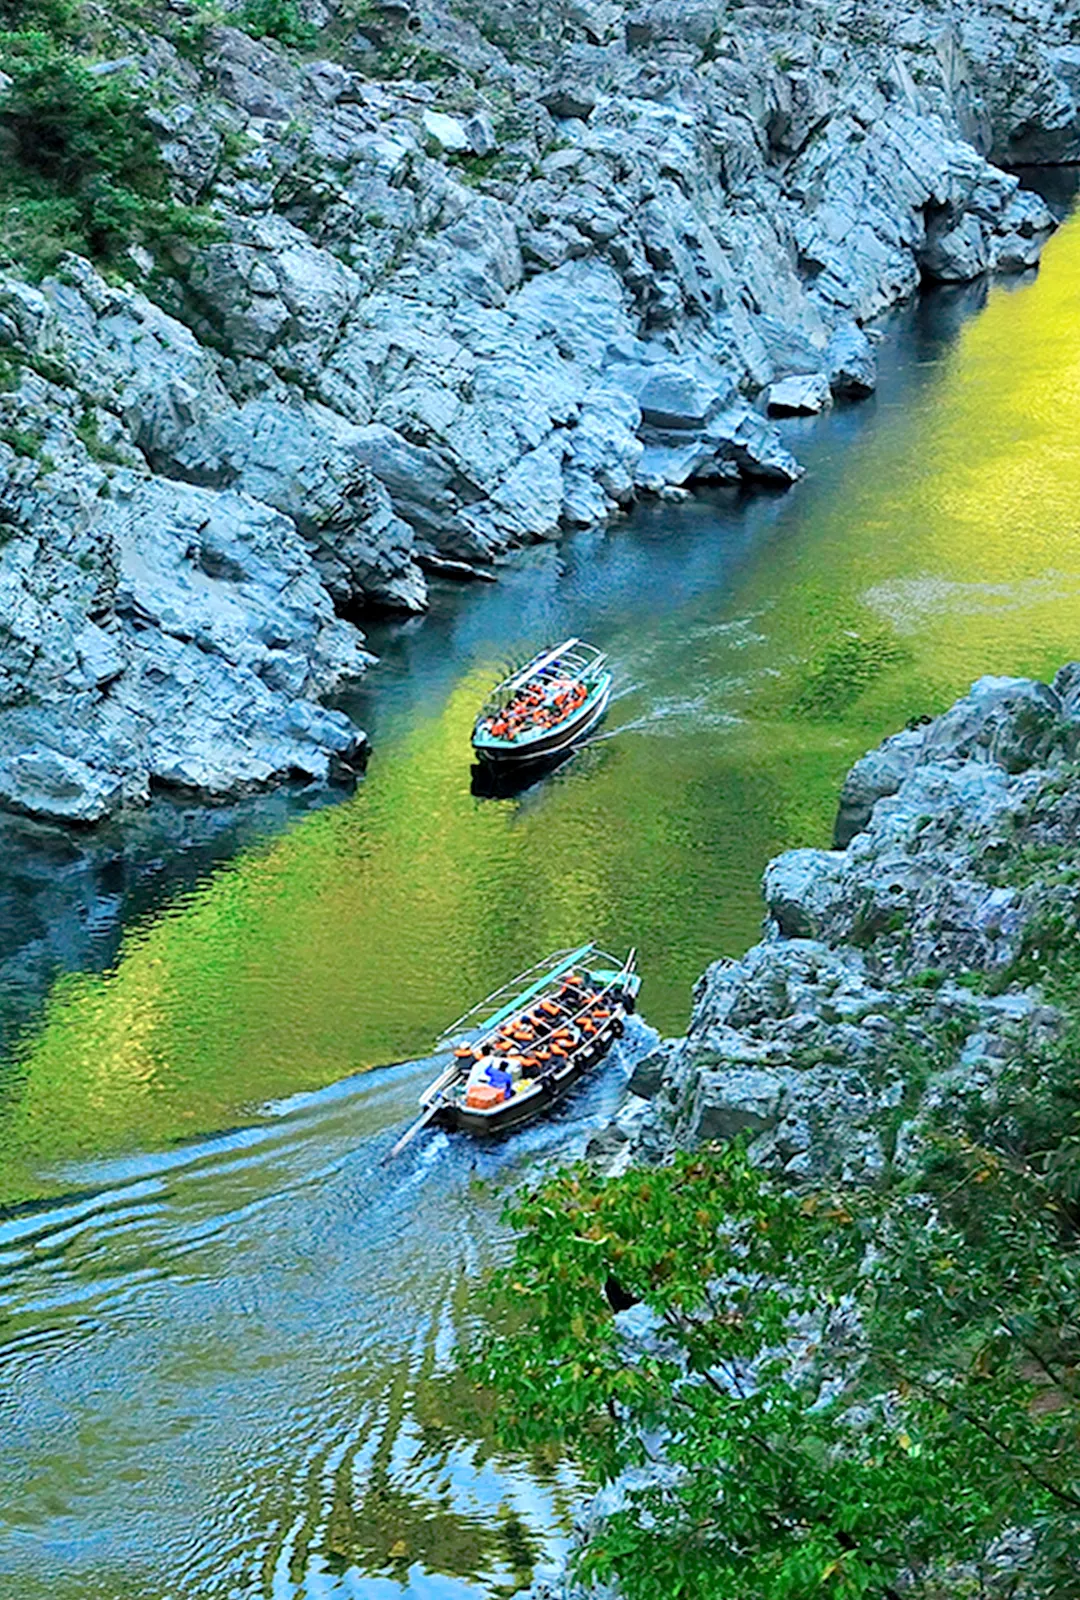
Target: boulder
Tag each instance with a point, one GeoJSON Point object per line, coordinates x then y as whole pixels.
{"type": "Point", "coordinates": [802, 889]}
{"type": "Point", "coordinates": [1014, 722]}
{"type": "Point", "coordinates": [569, 99]}
{"type": "Point", "coordinates": [480, 132]}
{"type": "Point", "coordinates": [447, 132]}
{"type": "Point", "coordinates": [672, 466]}
{"type": "Point", "coordinates": [648, 1073]}
{"type": "Point", "coordinates": [788, 350]}
{"type": "Point", "coordinates": [728, 1103]}
{"type": "Point", "coordinates": [803, 395]}
{"type": "Point", "coordinates": [742, 437]}
{"type": "Point", "coordinates": [877, 774]}
{"type": "Point", "coordinates": [57, 788]}
{"type": "Point", "coordinates": [1066, 686]}
{"type": "Point", "coordinates": [850, 362]}
{"type": "Point", "coordinates": [676, 399]}
{"type": "Point", "coordinates": [955, 252]}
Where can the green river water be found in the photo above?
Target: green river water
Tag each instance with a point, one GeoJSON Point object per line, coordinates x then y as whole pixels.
{"type": "Point", "coordinates": [225, 1365]}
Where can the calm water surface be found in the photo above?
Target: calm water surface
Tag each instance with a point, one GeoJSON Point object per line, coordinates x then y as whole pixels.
{"type": "Point", "coordinates": [225, 1369]}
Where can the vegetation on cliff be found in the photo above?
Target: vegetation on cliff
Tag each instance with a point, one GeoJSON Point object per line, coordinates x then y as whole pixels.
{"type": "Point", "coordinates": [82, 168]}
{"type": "Point", "coordinates": [816, 1390]}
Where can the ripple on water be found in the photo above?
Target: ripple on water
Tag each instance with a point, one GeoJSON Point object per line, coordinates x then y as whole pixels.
{"type": "Point", "coordinates": [253, 1337]}
{"type": "Point", "coordinates": [225, 1366]}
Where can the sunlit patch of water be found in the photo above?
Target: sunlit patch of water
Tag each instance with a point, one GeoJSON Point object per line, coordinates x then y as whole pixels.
{"type": "Point", "coordinates": [225, 1365]}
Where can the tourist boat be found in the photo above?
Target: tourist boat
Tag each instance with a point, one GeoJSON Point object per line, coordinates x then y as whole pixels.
{"type": "Point", "coordinates": [544, 709]}
{"type": "Point", "coordinates": [520, 1050]}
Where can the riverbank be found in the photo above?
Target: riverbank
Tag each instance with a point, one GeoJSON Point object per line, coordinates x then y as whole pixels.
{"type": "Point", "coordinates": [478, 284]}
{"type": "Point", "coordinates": [920, 942]}
{"type": "Point", "coordinates": [784, 634]}
{"type": "Point", "coordinates": [914, 1003]}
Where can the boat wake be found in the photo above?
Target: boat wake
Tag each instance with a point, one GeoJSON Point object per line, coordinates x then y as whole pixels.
{"type": "Point", "coordinates": [268, 1319]}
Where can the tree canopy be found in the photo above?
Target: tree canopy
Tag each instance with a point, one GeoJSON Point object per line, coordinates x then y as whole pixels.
{"type": "Point", "coordinates": [813, 1393]}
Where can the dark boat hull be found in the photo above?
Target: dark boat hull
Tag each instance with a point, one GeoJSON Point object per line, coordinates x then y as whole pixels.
{"type": "Point", "coordinates": [557, 742]}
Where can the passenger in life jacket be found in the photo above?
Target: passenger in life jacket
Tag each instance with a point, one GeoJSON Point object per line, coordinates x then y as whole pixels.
{"type": "Point", "coordinates": [575, 991]}
{"type": "Point", "coordinates": [541, 704]}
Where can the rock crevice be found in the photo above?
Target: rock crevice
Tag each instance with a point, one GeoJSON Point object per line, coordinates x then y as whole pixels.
{"type": "Point", "coordinates": [478, 283]}
{"type": "Point", "coordinates": [892, 973]}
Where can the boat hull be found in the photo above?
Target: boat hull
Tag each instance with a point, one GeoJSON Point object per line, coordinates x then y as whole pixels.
{"type": "Point", "coordinates": [558, 1008]}
{"type": "Point", "coordinates": [557, 741]}
{"type": "Point", "coordinates": [548, 1092]}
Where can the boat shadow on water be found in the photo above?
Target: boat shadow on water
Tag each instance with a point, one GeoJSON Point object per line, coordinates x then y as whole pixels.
{"type": "Point", "coordinates": [490, 782]}
{"type": "Point", "coordinates": [507, 781]}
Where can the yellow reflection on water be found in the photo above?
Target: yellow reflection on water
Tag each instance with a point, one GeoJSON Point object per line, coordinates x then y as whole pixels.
{"type": "Point", "coordinates": [940, 545]}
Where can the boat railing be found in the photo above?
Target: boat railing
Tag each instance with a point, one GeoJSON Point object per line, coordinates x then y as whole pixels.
{"type": "Point", "coordinates": [456, 1070]}
{"type": "Point", "coordinates": [618, 982]}
{"type": "Point", "coordinates": [581, 660]}
{"type": "Point", "coordinates": [549, 967]}
{"type": "Point", "coordinates": [500, 699]}
{"type": "Point", "coordinates": [538, 663]}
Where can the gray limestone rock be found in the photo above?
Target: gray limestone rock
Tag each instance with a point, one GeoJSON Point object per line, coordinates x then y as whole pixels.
{"type": "Point", "coordinates": [171, 635]}
{"type": "Point", "coordinates": [728, 1103]}
{"type": "Point", "coordinates": [850, 362]}
{"type": "Point", "coordinates": [877, 774]}
{"type": "Point", "coordinates": [799, 396]}
{"type": "Point", "coordinates": [648, 1073]}
{"type": "Point", "coordinates": [1013, 722]}
{"type": "Point", "coordinates": [740, 436]}
{"type": "Point", "coordinates": [802, 890]}
{"type": "Point", "coordinates": [569, 98]}
{"type": "Point", "coordinates": [45, 783]}
{"type": "Point", "coordinates": [273, 295]}
{"type": "Point", "coordinates": [480, 132]}
{"type": "Point", "coordinates": [813, 1041]}
{"type": "Point", "coordinates": [448, 132]}
{"type": "Point", "coordinates": [955, 251]}
{"type": "Point", "coordinates": [308, 462]}
{"type": "Point", "coordinates": [676, 399]}
{"type": "Point", "coordinates": [1066, 686]}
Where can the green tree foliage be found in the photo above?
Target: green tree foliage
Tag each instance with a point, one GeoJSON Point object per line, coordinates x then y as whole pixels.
{"type": "Point", "coordinates": [57, 17]}
{"type": "Point", "coordinates": [81, 168]}
{"type": "Point", "coordinates": [835, 1397]}
{"type": "Point", "coordinates": [280, 20]}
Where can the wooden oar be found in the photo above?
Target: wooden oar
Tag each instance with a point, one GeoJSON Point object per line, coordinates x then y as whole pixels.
{"type": "Point", "coordinates": [410, 1133]}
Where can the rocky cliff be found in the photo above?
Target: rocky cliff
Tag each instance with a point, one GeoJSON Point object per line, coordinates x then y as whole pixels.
{"type": "Point", "coordinates": [896, 973]}
{"type": "Point", "coordinates": [899, 993]}
{"type": "Point", "coordinates": [481, 274]}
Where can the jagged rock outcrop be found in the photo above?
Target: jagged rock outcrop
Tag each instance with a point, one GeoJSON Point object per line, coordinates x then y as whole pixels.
{"type": "Point", "coordinates": [484, 279]}
{"type": "Point", "coordinates": [884, 986]}
{"type": "Point", "coordinates": [153, 631]}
